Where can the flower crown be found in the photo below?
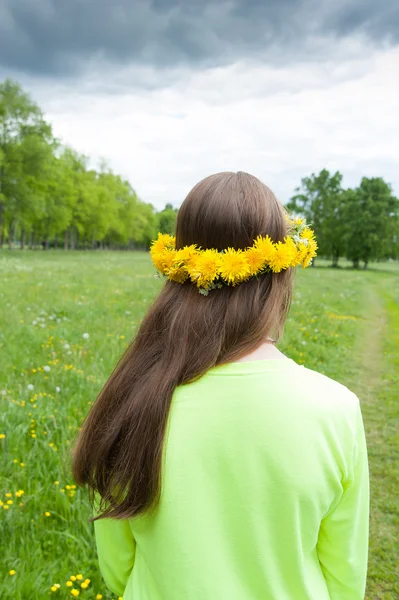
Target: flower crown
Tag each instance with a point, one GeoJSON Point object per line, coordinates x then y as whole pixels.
{"type": "Point", "coordinates": [211, 268]}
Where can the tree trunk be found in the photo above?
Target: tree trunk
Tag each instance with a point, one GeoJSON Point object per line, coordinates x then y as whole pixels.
{"type": "Point", "coordinates": [1, 226]}
{"type": "Point", "coordinates": [66, 239]}
{"type": "Point", "coordinates": [335, 260]}
{"type": "Point", "coordinates": [356, 263]}
{"type": "Point", "coordinates": [366, 262]}
{"type": "Point", "coordinates": [10, 235]}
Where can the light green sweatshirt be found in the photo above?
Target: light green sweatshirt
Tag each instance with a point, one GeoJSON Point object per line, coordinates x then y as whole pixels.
{"type": "Point", "coordinates": [265, 494]}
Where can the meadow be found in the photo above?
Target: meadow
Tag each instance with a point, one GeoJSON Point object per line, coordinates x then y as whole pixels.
{"type": "Point", "coordinates": [65, 319]}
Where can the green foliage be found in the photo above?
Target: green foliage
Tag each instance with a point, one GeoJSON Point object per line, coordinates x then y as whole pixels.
{"type": "Point", "coordinates": [371, 221]}
{"type": "Point", "coordinates": [48, 194]}
{"type": "Point", "coordinates": [167, 220]}
{"type": "Point", "coordinates": [361, 224]}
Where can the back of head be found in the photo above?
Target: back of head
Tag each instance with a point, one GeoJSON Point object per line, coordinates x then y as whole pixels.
{"type": "Point", "coordinates": [119, 449]}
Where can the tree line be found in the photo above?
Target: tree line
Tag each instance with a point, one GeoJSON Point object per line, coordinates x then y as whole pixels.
{"type": "Point", "coordinates": [50, 197]}
{"type": "Point", "coordinates": [360, 224]}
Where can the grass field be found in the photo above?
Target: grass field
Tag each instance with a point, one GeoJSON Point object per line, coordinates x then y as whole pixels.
{"type": "Point", "coordinates": [65, 318]}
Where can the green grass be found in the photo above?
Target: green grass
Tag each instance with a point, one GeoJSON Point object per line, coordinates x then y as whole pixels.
{"type": "Point", "coordinates": [342, 323]}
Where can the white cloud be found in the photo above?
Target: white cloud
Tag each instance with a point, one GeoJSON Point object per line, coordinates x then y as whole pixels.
{"type": "Point", "coordinates": [278, 124]}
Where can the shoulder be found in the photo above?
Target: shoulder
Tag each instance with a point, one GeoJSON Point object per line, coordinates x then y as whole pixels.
{"type": "Point", "coordinates": [327, 393]}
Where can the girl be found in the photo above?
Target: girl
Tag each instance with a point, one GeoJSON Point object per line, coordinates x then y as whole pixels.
{"type": "Point", "coordinates": [218, 468]}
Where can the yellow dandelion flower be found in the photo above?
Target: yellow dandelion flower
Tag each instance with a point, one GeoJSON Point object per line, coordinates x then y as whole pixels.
{"type": "Point", "coordinates": [298, 221]}
{"type": "Point", "coordinates": [8, 495]}
{"type": "Point", "coordinates": [84, 585]}
{"type": "Point", "coordinates": [79, 577]}
{"type": "Point", "coordinates": [310, 253]}
{"type": "Point", "coordinates": [163, 242]}
{"type": "Point", "coordinates": [69, 583]}
{"type": "Point", "coordinates": [6, 507]}
{"type": "Point", "coordinates": [234, 266]}
{"type": "Point", "coordinates": [165, 261]}
{"type": "Point", "coordinates": [178, 274]}
{"type": "Point", "coordinates": [53, 588]}
{"type": "Point", "coordinates": [99, 597]}
{"type": "Point", "coordinates": [266, 246]}
{"type": "Point", "coordinates": [12, 572]}
{"type": "Point", "coordinates": [282, 258]}
{"type": "Point", "coordinates": [9, 502]}
{"type": "Point", "coordinates": [292, 248]}
{"type": "Point", "coordinates": [255, 259]}
{"type": "Point", "coordinates": [47, 514]}
{"type": "Point", "coordinates": [307, 234]}
{"type": "Point", "coordinates": [2, 436]}
{"type": "Point", "coordinates": [302, 250]}
{"type": "Point", "coordinates": [204, 267]}
{"type": "Point", "coordinates": [184, 255]}
{"type": "Point", "coordinates": [75, 592]}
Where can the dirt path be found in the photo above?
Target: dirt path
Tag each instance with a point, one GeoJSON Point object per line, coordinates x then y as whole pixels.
{"type": "Point", "coordinates": [371, 343]}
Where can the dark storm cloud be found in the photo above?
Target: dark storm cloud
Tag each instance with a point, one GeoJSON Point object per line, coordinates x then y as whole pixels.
{"type": "Point", "coordinates": [60, 36]}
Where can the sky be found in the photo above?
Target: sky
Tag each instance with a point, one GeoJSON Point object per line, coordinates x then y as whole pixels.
{"type": "Point", "coordinates": [168, 92]}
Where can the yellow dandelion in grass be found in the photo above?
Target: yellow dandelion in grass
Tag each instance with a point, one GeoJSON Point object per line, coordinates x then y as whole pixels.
{"type": "Point", "coordinates": [99, 597]}
{"type": "Point", "coordinates": [266, 247]}
{"type": "Point", "coordinates": [2, 436]}
{"type": "Point", "coordinates": [12, 572]}
{"type": "Point", "coordinates": [204, 267]}
{"type": "Point", "coordinates": [75, 592]}
{"type": "Point", "coordinates": [47, 514]}
{"type": "Point", "coordinates": [163, 242]}
{"type": "Point", "coordinates": [79, 577]}
{"type": "Point", "coordinates": [8, 495]}
{"type": "Point", "coordinates": [69, 583]}
{"type": "Point", "coordinates": [256, 260]}
{"type": "Point", "coordinates": [297, 221]}
{"type": "Point", "coordinates": [234, 266]}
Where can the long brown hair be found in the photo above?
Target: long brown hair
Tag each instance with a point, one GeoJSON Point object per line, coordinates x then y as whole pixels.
{"type": "Point", "coordinates": [119, 449]}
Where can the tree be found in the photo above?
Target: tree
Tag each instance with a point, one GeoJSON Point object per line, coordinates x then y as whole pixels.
{"type": "Point", "coordinates": [167, 219]}
{"type": "Point", "coordinates": [371, 221]}
{"type": "Point", "coordinates": [25, 143]}
{"type": "Point", "coordinates": [319, 199]}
